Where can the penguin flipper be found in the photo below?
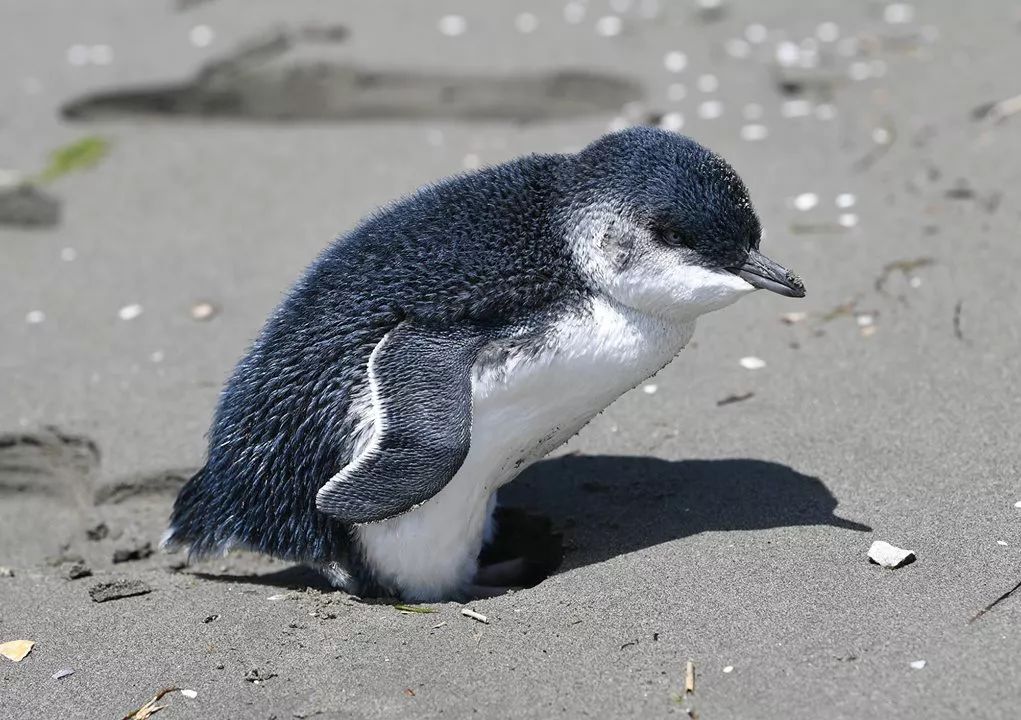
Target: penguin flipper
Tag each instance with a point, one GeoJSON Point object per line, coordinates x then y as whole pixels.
{"type": "Point", "coordinates": [420, 379]}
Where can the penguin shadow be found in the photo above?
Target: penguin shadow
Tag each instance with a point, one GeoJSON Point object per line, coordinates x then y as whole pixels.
{"type": "Point", "coordinates": [577, 510]}
{"type": "Point", "coordinates": [605, 506]}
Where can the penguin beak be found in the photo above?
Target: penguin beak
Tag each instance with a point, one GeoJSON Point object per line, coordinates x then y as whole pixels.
{"type": "Point", "coordinates": [761, 272]}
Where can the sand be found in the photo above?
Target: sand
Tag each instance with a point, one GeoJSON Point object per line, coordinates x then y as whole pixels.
{"type": "Point", "coordinates": [733, 535]}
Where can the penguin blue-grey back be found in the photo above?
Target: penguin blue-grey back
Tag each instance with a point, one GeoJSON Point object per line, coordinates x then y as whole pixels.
{"type": "Point", "coordinates": [408, 374]}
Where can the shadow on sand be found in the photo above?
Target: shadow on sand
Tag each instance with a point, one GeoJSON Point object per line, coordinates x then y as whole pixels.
{"type": "Point", "coordinates": [610, 505]}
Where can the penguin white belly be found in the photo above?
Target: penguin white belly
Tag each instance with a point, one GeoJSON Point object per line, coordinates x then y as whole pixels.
{"type": "Point", "coordinates": [521, 410]}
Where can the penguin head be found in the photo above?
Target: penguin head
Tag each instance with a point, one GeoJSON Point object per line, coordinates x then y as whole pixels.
{"type": "Point", "coordinates": [664, 225]}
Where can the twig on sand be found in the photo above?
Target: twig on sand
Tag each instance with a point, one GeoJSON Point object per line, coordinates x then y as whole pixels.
{"type": "Point", "coordinates": [150, 708]}
{"type": "Point", "coordinates": [958, 333]}
{"type": "Point", "coordinates": [731, 399]}
{"type": "Point", "coordinates": [995, 602]}
{"type": "Point", "coordinates": [904, 266]}
{"type": "Point", "coordinates": [689, 678]}
{"type": "Point", "coordinates": [468, 612]}
{"type": "Point", "coordinates": [998, 111]}
{"type": "Point", "coordinates": [413, 609]}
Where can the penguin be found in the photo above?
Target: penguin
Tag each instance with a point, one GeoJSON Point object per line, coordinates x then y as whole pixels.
{"type": "Point", "coordinates": [454, 337]}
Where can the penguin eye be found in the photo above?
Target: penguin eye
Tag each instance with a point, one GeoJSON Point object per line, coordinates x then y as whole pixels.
{"type": "Point", "coordinates": [676, 238]}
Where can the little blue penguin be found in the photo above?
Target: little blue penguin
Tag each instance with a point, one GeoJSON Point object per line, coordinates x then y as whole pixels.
{"type": "Point", "coordinates": [428, 356]}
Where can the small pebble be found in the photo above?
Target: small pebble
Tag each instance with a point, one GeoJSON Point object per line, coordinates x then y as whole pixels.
{"type": "Point", "coordinates": [201, 36]}
{"type": "Point", "coordinates": [728, 669]}
{"type": "Point", "coordinates": [847, 220]}
{"type": "Point", "coordinates": [609, 26]}
{"type": "Point", "coordinates": [78, 55]}
{"type": "Point", "coordinates": [650, 389]}
{"type": "Point", "coordinates": [203, 311]}
{"type": "Point", "coordinates": [898, 13]}
{"type": "Point", "coordinates": [69, 254]}
{"type": "Point", "coordinates": [34, 317]}
{"type": "Point", "coordinates": [157, 356]}
{"type": "Point", "coordinates": [756, 33]}
{"type": "Point", "coordinates": [805, 201]}
{"type": "Point", "coordinates": [708, 83]}
{"type": "Point", "coordinates": [796, 108]}
{"type": "Point", "coordinates": [918, 664]}
{"type": "Point", "coordinates": [845, 200]}
{"type": "Point", "coordinates": [672, 121]}
{"type": "Point", "coordinates": [859, 70]}
{"type": "Point", "coordinates": [77, 571]}
{"type": "Point", "coordinates": [880, 136]}
{"type": "Point", "coordinates": [864, 320]}
{"type": "Point", "coordinates": [915, 282]}
{"type": "Point", "coordinates": [61, 674]}
{"type": "Point", "coordinates": [675, 61]}
{"type": "Point", "coordinates": [130, 312]}
{"type": "Point", "coordinates": [710, 109]}
{"type": "Point", "coordinates": [788, 54]}
{"type": "Point", "coordinates": [1018, 504]}
{"type": "Point", "coordinates": [827, 31]}
{"type": "Point", "coordinates": [752, 363]}
{"type": "Point", "coordinates": [825, 111]}
{"type": "Point", "coordinates": [574, 12]}
{"type": "Point", "coordinates": [737, 48]}
{"type": "Point", "coordinates": [792, 318]}
{"type": "Point", "coordinates": [526, 23]}
{"type": "Point", "coordinates": [1002, 542]}
{"type": "Point", "coordinates": [452, 25]}
{"type": "Point", "coordinates": [191, 694]}
{"type": "Point", "coordinates": [754, 132]}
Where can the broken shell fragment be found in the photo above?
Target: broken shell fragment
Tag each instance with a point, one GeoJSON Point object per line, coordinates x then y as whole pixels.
{"type": "Point", "coordinates": [889, 556]}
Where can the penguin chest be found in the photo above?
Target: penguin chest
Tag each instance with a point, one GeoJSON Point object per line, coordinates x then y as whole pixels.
{"type": "Point", "coordinates": [545, 391]}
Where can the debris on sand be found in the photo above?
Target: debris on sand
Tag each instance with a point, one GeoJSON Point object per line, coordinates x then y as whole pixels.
{"type": "Point", "coordinates": [135, 552]}
{"type": "Point", "coordinates": [905, 267]}
{"type": "Point", "coordinates": [117, 589]}
{"type": "Point", "coordinates": [203, 311]}
{"type": "Point", "coordinates": [998, 111]}
{"type": "Point", "coordinates": [151, 708]}
{"type": "Point", "coordinates": [6, 572]}
{"type": "Point", "coordinates": [76, 571]}
{"type": "Point", "coordinates": [689, 678]}
{"type": "Point", "coordinates": [80, 155]}
{"type": "Point", "coordinates": [413, 609]}
{"type": "Point", "coordinates": [918, 664]}
{"type": "Point", "coordinates": [26, 205]}
{"type": "Point", "coordinates": [752, 363]}
{"type": "Point", "coordinates": [731, 399]}
{"type": "Point", "coordinates": [98, 532]}
{"type": "Point", "coordinates": [62, 673]}
{"type": "Point", "coordinates": [211, 618]}
{"type": "Point", "coordinates": [958, 333]}
{"type": "Point", "coordinates": [16, 650]}
{"type": "Point", "coordinates": [793, 318]}
{"type": "Point", "coordinates": [889, 556]}
{"type": "Point", "coordinates": [468, 612]}
{"type": "Point", "coordinates": [257, 677]}
{"type": "Point", "coordinates": [996, 602]}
